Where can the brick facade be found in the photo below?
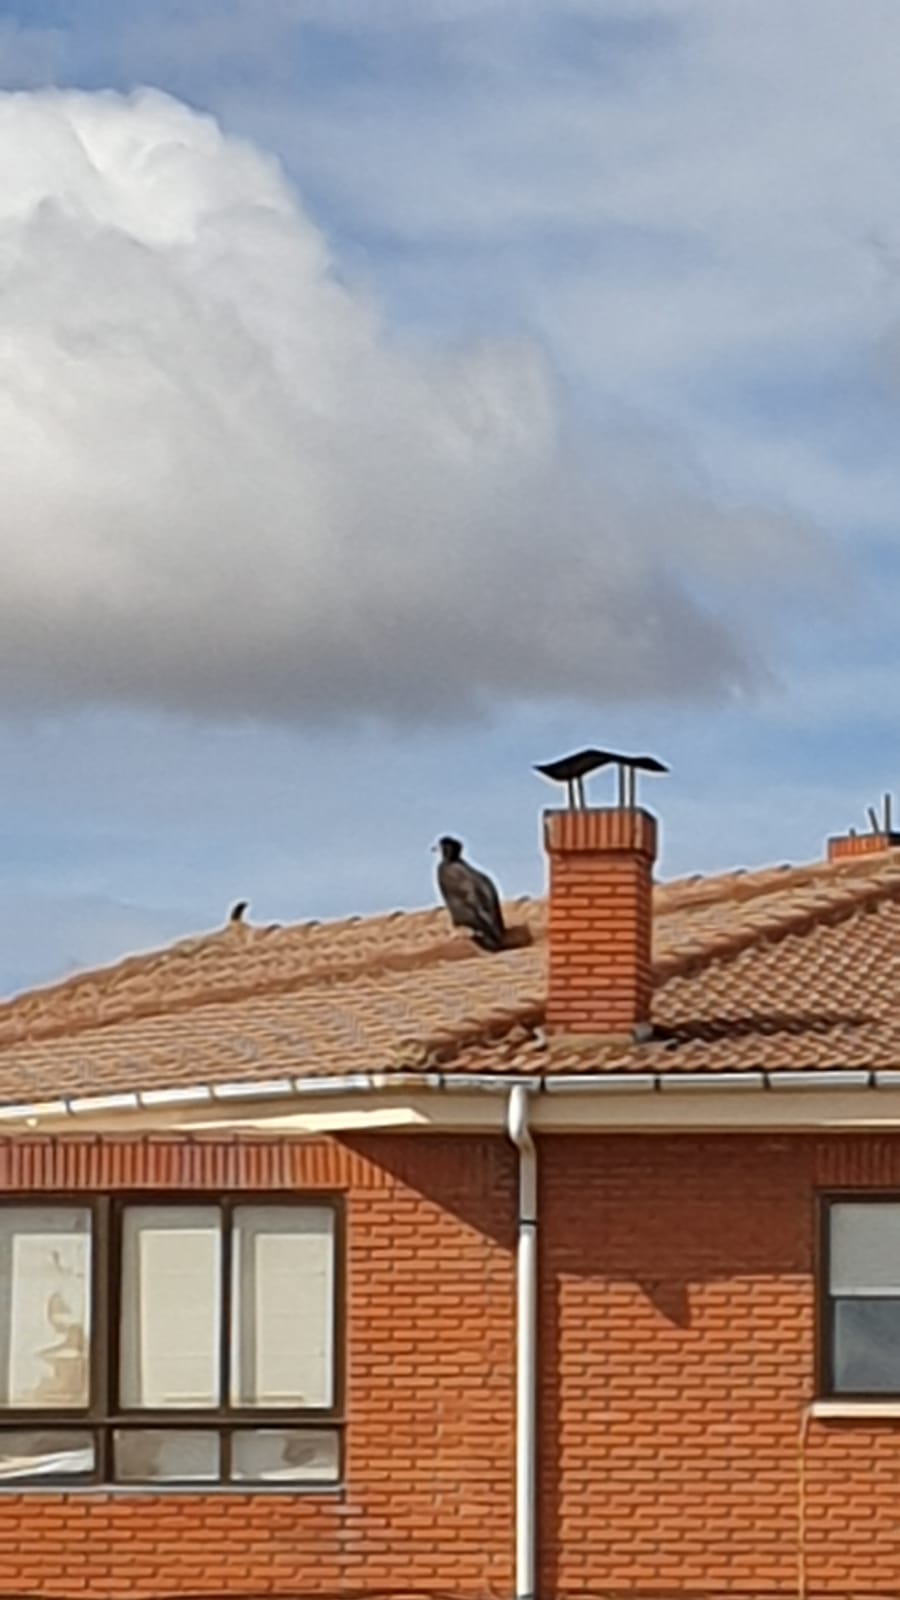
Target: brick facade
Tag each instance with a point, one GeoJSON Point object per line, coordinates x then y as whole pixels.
{"type": "Point", "coordinates": [678, 1455]}
{"type": "Point", "coordinates": [428, 1501]}
{"type": "Point", "coordinates": [678, 1343]}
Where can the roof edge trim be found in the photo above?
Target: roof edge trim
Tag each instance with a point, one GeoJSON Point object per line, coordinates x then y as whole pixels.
{"type": "Point", "coordinates": [78, 1108]}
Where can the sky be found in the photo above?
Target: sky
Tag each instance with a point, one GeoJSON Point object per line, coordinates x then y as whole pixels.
{"type": "Point", "coordinates": [395, 395]}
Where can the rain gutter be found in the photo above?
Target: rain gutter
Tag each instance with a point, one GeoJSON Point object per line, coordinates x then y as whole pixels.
{"type": "Point", "coordinates": [290, 1088]}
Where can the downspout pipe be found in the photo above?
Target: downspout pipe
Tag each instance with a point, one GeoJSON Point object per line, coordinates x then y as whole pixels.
{"type": "Point", "coordinates": [526, 1343]}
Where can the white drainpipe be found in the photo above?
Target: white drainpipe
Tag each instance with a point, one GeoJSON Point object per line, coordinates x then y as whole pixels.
{"type": "Point", "coordinates": [526, 1345]}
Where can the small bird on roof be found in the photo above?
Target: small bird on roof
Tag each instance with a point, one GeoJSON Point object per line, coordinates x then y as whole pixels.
{"type": "Point", "coordinates": [470, 896]}
{"type": "Point", "coordinates": [236, 914]}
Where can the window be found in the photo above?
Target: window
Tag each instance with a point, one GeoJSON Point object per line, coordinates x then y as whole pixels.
{"type": "Point", "coordinates": [169, 1343]}
{"type": "Point", "coordinates": [862, 1322]}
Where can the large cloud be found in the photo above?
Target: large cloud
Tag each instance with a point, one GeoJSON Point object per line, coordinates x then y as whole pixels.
{"type": "Point", "coordinates": [227, 490]}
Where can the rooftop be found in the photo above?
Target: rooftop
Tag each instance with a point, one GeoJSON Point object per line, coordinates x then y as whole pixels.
{"type": "Point", "coordinates": [789, 968]}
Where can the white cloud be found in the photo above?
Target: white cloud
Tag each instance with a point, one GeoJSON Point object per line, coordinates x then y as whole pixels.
{"type": "Point", "coordinates": [228, 491]}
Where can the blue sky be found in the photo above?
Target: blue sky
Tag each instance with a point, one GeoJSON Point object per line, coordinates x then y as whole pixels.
{"type": "Point", "coordinates": [482, 380]}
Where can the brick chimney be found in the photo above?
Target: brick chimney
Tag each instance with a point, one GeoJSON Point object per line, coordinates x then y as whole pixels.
{"type": "Point", "coordinates": [882, 836]}
{"type": "Point", "coordinates": [845, 846]}
{"type": "Point", "coordinates": [600, 920]}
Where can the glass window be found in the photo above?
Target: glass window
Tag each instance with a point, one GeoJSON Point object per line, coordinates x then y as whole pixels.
{"type": "Point", "coordinates": [282, 1306]}
{"type": "Point", "coordinates": [171, 1305]}
{"type": "Point", "coordinates": [863, 1333]}
{"type": "Point", "coordinates": [213, 1331]}
{"type": "Point", "coordinates": [165, 1455]}
{"type": "Point", "coordinates": [45, 1267]}
{"type": "Point", "coordinates": [285, 1455]}
{"type": "Point", "coordinates": [46, 1453]}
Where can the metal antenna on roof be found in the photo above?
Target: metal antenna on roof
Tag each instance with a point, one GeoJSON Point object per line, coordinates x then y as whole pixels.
{"type": "Point", "coordinates": [885, 824]}
{"type": "Point", "coordinates": [572, 771]}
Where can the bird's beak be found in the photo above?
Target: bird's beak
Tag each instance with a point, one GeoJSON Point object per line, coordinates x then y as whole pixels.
{"type": "Point", "coordinates": [434, 849]}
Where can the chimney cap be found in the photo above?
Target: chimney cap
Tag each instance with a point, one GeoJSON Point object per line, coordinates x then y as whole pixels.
{"type": "Point", "coordinates": [573, 769]}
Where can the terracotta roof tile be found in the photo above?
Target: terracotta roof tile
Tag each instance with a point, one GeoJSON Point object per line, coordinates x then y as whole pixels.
{"type": "Point", "coordinates": [790, 967]}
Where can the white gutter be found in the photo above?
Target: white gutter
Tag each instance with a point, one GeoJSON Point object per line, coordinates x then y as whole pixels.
{"type": "Point", "coordinates": [526, 1344]}
{"type": "Point", "coordinates": [745, 1100]}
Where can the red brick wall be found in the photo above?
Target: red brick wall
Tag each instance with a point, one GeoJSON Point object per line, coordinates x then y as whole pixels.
{"type": "Point", "coordinates": [677, 1456]}
{"type": "Point", "coordinates": [677, 1289]}
{"type": "Point", "coordinates": [429, 1492]}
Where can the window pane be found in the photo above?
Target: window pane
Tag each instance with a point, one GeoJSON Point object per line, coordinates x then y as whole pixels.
{"type": "Point", "coordinates": [159, 1455]}
{"type": "Point", "coordinates": [865, 1248]}
{"type": "Point", "coordinates": [285, 1455]}
{"type": "Point", "coordinates": [866, 1346]}
{"type": "Point", "coordinates": [44, 1306]}
{"type": "Point", "coordinates": [45, 1454]}
{"type": "Point", "coordinates": [283, 1313]}
{"type": "Point", "coordinates": [171, 1289]}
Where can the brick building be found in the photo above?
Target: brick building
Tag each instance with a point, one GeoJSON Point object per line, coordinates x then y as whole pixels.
{"type": "Point", "coordinates": [347, 1258]}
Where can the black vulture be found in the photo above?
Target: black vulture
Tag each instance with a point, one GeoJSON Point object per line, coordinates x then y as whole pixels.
{"type": "Point", "coordinates": [470, 896]}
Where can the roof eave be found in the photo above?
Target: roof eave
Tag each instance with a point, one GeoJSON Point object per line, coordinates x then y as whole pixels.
{"type": "Point", "coordinates": [433, 1102]}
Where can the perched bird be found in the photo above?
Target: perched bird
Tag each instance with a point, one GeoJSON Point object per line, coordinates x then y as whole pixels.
{"type": "Point", "coordinates": [236, 914]}
{"type": "Point", "coordinates": [470, 896]}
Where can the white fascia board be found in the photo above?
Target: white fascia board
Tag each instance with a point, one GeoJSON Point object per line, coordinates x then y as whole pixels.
{"type": "Point", "coordinates": [432, 1101]}
{"type": "Point", "coordinates": [322, 1121]}
{"type": "Point", "coordinates": [699, 1107]}
{"type": "Point", "coordinates": [418, 1111]}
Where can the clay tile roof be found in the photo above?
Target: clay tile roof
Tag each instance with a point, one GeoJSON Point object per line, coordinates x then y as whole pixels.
{"type": "Point", "coordinates": [789, 967]}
